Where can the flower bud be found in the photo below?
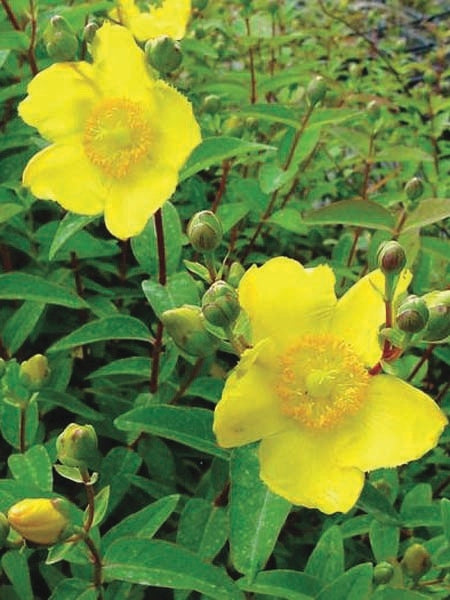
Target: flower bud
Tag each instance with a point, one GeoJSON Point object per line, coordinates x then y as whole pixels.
{"type": "Point", "coordinates": [40, 520]}
{"type": "Point", "coordinates": [412, 315]}
{"type": "Point", "coordinates": [373, 110]}
{"type": "Point", "coordinates": [414, 188]}
{"type": "Point", "coordinates": [76, 446]}
{"type": "Point", "coordinates": [34, 371]}
{"type": "Point", "coordinates": [391, 257]}
{"type": "Point", "coordinates": [204, 231]}
{"type": "Point", "coordinates": [438, 326]}
{"type": "Point", "coordinates": [233, 126]}
{"type": "Point", "coordinates": [416, 561]}
{"type": "Point", "coordinates": [60, 41]}
{"type": "Point", "coordinates": [220, 304]}
{"type": "Point", "coordinates": [4, 529]}
{"type": "Point", "coordinates": [382, 573]}
{"type": "Point", "coordinates": [186, 326]}
{"type": "Point", "coordinates": [199, 4]}
{"type": "Point", "coordinates": [163, 53]}
{"type": "Point", "coordinates": [89, 32]}
{"type": "Point", "coordinates": [211, 104]}
{"type": "Point", "coordinates": [235, 274]}
{"type": "Point", "coordinates": [316, 90]}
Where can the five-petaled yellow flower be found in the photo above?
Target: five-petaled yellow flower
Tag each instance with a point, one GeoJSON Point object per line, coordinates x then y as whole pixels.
{"type": "Point", "coordinates": [118, 136]}
{"type": "Point", "coordinates": [305, 391]}
{"type": "Point", "coordinates": [169, 19]}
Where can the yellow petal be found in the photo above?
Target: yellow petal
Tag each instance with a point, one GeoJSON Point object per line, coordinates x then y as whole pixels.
{"type": "Point", "coordinates": [249, 408]}
{"type": "Point", "coordinates": [360, 313]}
{"type": "Point", "coordinates": [133, 200]}
{"type": "Point", "coordinates": [119, 64]}
{"type": "Point", "coordinates": [59, 99]}
{"type": "Point", "coordinates": [61, 172]}
{"type": "Point", "coordinates": [284, 300]}
{"type": "Point", "coordinates": [177, 130]}
{"type": "Point", "coordinates": [398, 423]}
{"type": "Point", "coordinates": [301, 467]}
{"type": "Point", "coordinates": [169, 19]}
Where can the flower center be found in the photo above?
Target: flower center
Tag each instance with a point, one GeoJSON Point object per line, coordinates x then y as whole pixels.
{"type": "Point", "coordinates": [321, 380]}
{"type": "Point", "coordinates": [117, 136]}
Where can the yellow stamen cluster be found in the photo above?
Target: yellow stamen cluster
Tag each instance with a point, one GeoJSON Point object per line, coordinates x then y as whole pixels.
{"type": "Point", "coordinates": [117, 136]}
{"type": "Point", "coordinates": [321, 380]}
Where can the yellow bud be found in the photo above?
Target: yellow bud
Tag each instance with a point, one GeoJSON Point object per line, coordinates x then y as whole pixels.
{"type": "Point", "coordinates": [186, 326]}
{"type": "Point", "coordinates": [40, 520]}
{"type": "Point", "coordinates": [34, 371]}
{"type": "Point", "coordinates": [76, 446]}
{"type": "Point", "coordinates": [416, 561]}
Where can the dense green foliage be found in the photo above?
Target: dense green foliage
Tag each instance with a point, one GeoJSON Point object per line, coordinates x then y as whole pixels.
{"type": "Point", "coordinates": [288, 172]}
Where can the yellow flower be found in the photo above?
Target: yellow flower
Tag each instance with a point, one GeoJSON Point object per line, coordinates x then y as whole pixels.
{"type": "Point", "coordinates": [40, 520]}
{"type": "Point", "coordinates": [119, 137]}
{"type": "Point", "coordinates": [305, 391]}
{"type": "Point", "coordinates": [169, 19]}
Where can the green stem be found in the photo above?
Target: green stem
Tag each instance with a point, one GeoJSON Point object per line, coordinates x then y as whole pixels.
{"type": "Point", "coordinates": [90, 499]}
{"type": "Point", "coordinates": [97, 562]}
{"type": "Point", "coordinates": [22, 429]}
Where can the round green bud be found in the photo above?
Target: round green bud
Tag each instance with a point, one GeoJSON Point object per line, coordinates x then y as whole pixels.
{"type": "Point", "coordinates": [412, 315]}
{"type": "Point", "coordinates": [76, 446]}
{"type": "Point", "coordinates": [316, 90]}
{"type": "Point", "coordinates": [382, 573]}
{"type": "Point", "coordinates": [414, 188]}
{"type": "Point", "coordinates": [211, 104]}
{"type": "Point", "coordinates": [60, 41]}
{"type": "Point", "coordinates": [199, 4]}
{"type": "Point", "coordinates": [438, 326]}
{"type": "Point", "coordinates": [373, 110]}
{"type": "Point", "coordinates": [186, 326]}
{"type": "Point", "coordinates": [233, 126]}
{"type": "Point", "coordinates": [416, 561]}
{"type": "Point", "coordinates": [163, 54]}
{"type": "Point", "coordinates": [4, 529]}
{"type": "Point", "coordinates": [34, 371]}
{"type": "Point", "coordinates": [220, 304]}
{"type": "Point", "coordinates": [89, 32]}
{"type": "Point", "coordinates": [391, 257]}
{"type": "Point", "coordinates": [204, 231]}
{"type": "Point", "coordinates": [235, 274]}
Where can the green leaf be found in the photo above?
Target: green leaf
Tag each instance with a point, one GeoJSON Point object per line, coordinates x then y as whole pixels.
{"type": "Point", "coordinates": [384, 540]}
{"type": "Point", "coordinates": [74, 589]}
{"type": "Point", "coordinates": [361, 213]}
{"type": "Point", "coordinates": [445, 512]}
{"type": "Point", "coordinates": [8, 210]}
{"type": "Point", "coordinates": [203, 528]}
{"type": "Point", "coordinates": [440, 247]}
{"type": "Point", "coordinates": [428, 212]}
{"type": "Point", "coordinates": [69, 403]}
{"type": "Point", "coordinates": [375, 503]}
{"type": "Point", "coordinates": [231, 213]}
{"type": "Point", "coordinates": [68, 226]}
{"type": "Point", "coordinates": [116, 469]}
{"type": "Point", "coordinates": [9, 423]}
{"type": "Point", "coordinates": [14, 40]}
{"type": "Point", "coordinates": [326, 561]}
{"type": "Point", "coordinates": [256, 514]}
{"type": "Point", "coordinates": [144, 245]}
{"type": "Point", "coordinates": [161, 564]}
{"type": "Point", "coordinates": [422, 516]}
{"type": "Point", "coordinates": [144, 523]}
{"type": "Point", "coordinates": [387, 593]}
{"type": "Point", "coordinates": [355, 584]}
{"type": "Point", "coordinates": [290, 220]}
{"type": "Point", "coordinates": [189, 426]}
{"type": "Point", "coordinates": [22, 286]}
{"type": "Point", "coordinates": [34, 466]}
{"type": "Point", "coordinates": [272, 177]}
{"type": "Point", "coordinates": [274, 113]}
{"type": "Point", "coordinates": [180, 289]}
{"type": "Point", "coordinates": [21, 325]}
{"type": "Point", "coordinates": [138, 366]}
{"type": "Point", "coordinates": [403, 154]}
{"type": "Point", "coordinates": [289, 585]}
{"type": "Point", "coordinates": [16, 568]}
{"type": "Point", "coordinates": [214, 150]}
{"type": "Point", "coordinates": [101, 505]}
{"type": "Point", "coordinates": [121, 327]}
